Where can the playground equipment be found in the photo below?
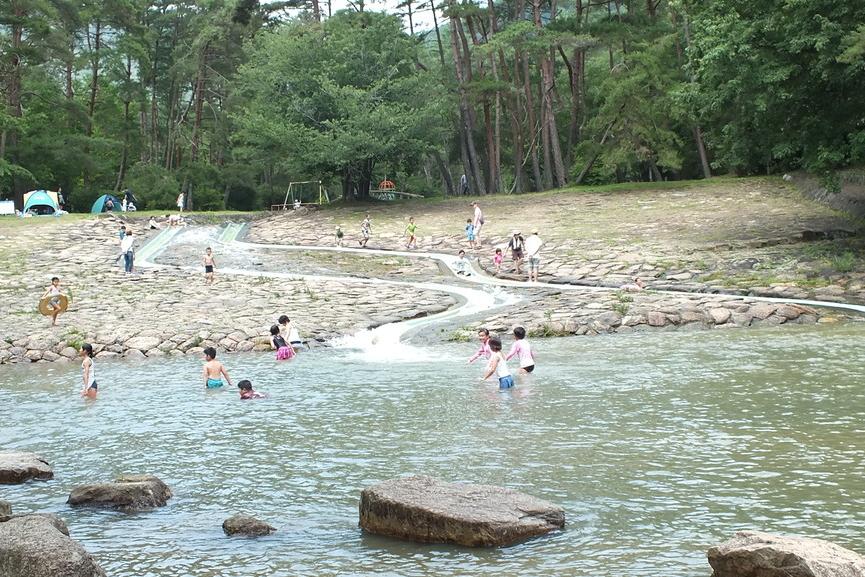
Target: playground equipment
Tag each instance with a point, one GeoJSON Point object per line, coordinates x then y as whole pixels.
{"type": "Point", "coordinates": [303, 192]}
{"type": "Point", "coordinates": [387, 191]}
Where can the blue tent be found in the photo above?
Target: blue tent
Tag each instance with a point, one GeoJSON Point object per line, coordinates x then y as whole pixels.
{"type": "Point", "coordinates": [41, 202]}
{"type": "Point", "coordinates": [99, 205]}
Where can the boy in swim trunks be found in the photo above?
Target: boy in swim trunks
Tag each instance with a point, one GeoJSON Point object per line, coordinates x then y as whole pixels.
{"type": "Point", "coordinates": [209, 263]}
{"type": "Point", "coordinates": [213, 370]}
{"type": "Point", "coordinates": [54, 292]}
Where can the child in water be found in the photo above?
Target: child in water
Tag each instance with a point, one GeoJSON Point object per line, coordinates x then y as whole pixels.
{"type": "Point", "coordinates": [283, 351]}
{"type": "Point", "coordinates": [290, 333]}
{"type": "Point", "coordinates": [523, 350]}
{"type": "Point", "coordinates": [213, 370]}
{"type": "Point", "coordinates": [497, 260]}
{"type": "Point", "coordinates": [88, 372]}
{"type": "Point", "coordinates": [246, 391]}
{"type": "Point", "coordinates": [499, 365]}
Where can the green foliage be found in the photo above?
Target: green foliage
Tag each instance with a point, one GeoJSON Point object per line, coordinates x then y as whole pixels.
{"type": "Point", "coordinates": [154, 187]}
{"type": "Point", "coordinates": [773, 86]}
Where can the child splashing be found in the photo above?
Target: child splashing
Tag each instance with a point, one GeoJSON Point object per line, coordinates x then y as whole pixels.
{"type": "Point", "coordinates": [499, 366]}
{"type": "Point", "coordinates": [283, 350]}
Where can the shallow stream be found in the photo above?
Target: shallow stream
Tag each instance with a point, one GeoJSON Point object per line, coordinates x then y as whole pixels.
{"type": "Point", "coordinates": [657, 445]}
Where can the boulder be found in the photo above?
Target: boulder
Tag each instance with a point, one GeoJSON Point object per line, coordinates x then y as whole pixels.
{"type": "Point", "coordinates": [39, 546]}
{"type": "Point", "coordinates": [17, 467]}
{"type": "Point", "coordinates": [720, 315]}
{"type": "Point", "coordinates": [656, 319]}
{"type": "Point", "coordinates": [5, 510]}
{"type": "Point", "coordinates": [247, 526]}
{"type": "Point", "coordinates": [127, 493]}
{"type": "Point", "coordinates": [755, 554]}
{"type": "Point", "coordinates": [425, 509]}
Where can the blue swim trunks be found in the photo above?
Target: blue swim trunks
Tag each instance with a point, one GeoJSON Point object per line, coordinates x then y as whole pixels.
{"type": "Point", "coordinates": [506, 382]}
{"type": "Point", "coordinates": [214, 383]}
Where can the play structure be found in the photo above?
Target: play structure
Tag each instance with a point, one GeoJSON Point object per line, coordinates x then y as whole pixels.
{"type": "Point", "coordinates": [304, 192]}
{"type": "Point", "coordinates": [102, 204]}
{"type": "Point", "coordinates": [387, 191]}
{"type": "Point", "coordinates": [41, 202]}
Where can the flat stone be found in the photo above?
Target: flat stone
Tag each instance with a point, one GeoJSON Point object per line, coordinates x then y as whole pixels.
{"type": "Point", "coordinates": [40, 546]}
{"type": "Point", "coordinates": [656, 319]}
{"type": "Point", "coordinates": [788, 312]}
{"type": "Point", "coordinates": [134, 354]}
{"type": "Point", "coordinates": [762, 311]}
{"type": "Point", "coordinates": [247, 526]}
{"type": "Point", "coordinates": [127, 493]}
{"type": "Point", "coordinates": [18, 466]}
{"type": "Point", "coordinates": [428, 510]}
{"type": "Point", "coordinates": [143, 343]}
{"type": "Point", "coordinates": [755, 554]}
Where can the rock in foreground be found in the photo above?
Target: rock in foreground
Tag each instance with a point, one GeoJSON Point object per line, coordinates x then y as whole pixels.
{"type": "Point", "coordinates": [39, 546]}
{"type": "Point", "coordinates": [247, 526]}
{"type": "Point", "coordinates": [128, 493]}
{"type": "Point", "coordinates": [17, 467]}
{"type": "Point", "coordinates": [428, 510]}
{"type": "Point", "coordinates": [754, 554]}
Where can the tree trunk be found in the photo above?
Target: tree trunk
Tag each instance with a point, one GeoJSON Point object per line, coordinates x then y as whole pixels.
{"type": "Point", "coordinates": [698, 134]}
{"type": "Point", "coordinates": [199, 103]}
{"type": "Point", "coordinates": [534, 129]}
{"type": "Point", "coordinates": [513, 106]}
{"type": "Point", "coordinates": [463, 70]}
{"type": "Point", "coordinates": [94, 74]}
{"type": "Point", "coordinates": [438, 34]}
{"type": "Point", "coordinates": [9, 138]}
{"type": "Point", "coordinates": [554, 166]}
{"type": "Point", "coordinates": [316, 11]}
{"type": "Point", "coordinates": [445, 172]}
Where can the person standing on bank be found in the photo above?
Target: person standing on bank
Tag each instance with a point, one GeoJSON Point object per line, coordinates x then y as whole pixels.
{"type": "Point", "coordinates": [533, 253]}
{"type": "Point", "coordinates": [477, 223]}
{"type": "Point", "coordinates": [517, 246]}
{"type": "Point", "coordinates": [127, 249]}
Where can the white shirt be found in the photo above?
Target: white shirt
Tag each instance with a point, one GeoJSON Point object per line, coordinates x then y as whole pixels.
{"type": "Point", "coordinates": [126, 243]}
{"type": "Point", "coordinates": [478, 216]}
{"type": "Point", "coordinates": [533, 245]}
{"type": "Point", "coordinates": [502, 369]}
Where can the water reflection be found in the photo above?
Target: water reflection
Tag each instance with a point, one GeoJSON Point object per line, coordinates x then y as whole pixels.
{"type": "Point", "coordinates": [657, 445]}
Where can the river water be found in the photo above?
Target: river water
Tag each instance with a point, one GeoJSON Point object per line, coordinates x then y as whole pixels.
{"type": "Point", "coordinates": [657, 445]}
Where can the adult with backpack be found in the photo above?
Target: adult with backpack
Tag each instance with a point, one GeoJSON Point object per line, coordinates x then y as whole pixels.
{"type": "Point", "coordinates": [517, 246]}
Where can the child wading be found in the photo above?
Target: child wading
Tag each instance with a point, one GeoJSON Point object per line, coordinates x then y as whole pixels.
{"type": "Point", "coordinates": [523, 349]}
{"type": "Point", "coordinates": [499, 366]}
{"type": "Point", "coordinates": [283, 350]}
{"type": "Point", "coordinates": [410, 232]}
{"type": "Point", "coordinates": [213, 370]}
{"type": "Point", "coordinates": [209, 263]}
{"type": "Point", "coordinates": [247, 392]}
{"type": "Point", "coordinates": [88, 372]}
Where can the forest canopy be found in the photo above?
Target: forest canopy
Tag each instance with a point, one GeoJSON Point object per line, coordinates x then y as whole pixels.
{"type": "Point", "coordinates": [230, 100]}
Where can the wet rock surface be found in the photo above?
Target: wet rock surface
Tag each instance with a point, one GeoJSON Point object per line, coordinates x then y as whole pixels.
{"type": "Point", "coordinates": [18, 467]}
{"type": "Point", "coordinates": [40, 546]}
{"type": "Point", "coordinates": [428, 510]}
{"type": "Point", "coordinates": [127, 493]}
{"type": "Point", "coordinates": [246, 526]}
{"type": "Point", "coordinates": [755, 554]}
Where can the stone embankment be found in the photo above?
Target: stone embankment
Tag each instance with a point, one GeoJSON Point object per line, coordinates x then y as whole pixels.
{"type": "Point", "coordinates": [154, 313]}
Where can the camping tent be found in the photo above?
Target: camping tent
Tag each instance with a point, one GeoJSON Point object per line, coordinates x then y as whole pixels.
{"type": "Point", "coordinates": [99, 205]}
{"type": "Point", "coordinates": [41, 202]}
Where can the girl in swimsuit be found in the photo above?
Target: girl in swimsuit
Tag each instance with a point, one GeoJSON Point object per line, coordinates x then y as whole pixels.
{"type": "Point", "coordinates": [283, 351]}
{"type": "Point", "coordinates": [88, 372]}
{"type": "Point", "coordinates": [54, 292]}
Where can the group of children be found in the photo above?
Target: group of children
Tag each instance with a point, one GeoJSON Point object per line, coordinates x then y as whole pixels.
{"type": "Point", "coordinates": [497, 361]}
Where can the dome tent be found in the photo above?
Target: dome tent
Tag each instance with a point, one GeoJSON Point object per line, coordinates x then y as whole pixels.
{"type": "Point", "coordinates": [99, 205]}
{"type": "Point", "coordinates": [41, 202]}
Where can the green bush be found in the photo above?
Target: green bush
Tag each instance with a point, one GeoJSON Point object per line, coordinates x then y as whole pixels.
{"type": "Point", "coordinates": [205, 198]}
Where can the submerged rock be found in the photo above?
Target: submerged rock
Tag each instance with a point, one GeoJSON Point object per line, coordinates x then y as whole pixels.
{"type": "Point", "coordinates": [40, 546]}
{"type": "Point", "coordinates": [754, 554]}
{"type": "Point", "coordinates": [247, 526]}
{"type": "Point", "coordinates": [127, 493]}
{"type": "Point", "coordinates": [429, 510]}
{"type": "Point", "coordinates": [18, 466]}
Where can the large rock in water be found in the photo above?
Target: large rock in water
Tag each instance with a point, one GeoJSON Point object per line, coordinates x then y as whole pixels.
{"type": "Point", "coordinates": [428, 510]}
{"type": "Point", "coordinates": [39, 546]}
{"type": "Point", "coordinates": [17, 467]}
{"type": "Point", "coordinates": [128, 493]}
{"type": "Point", "coordinates": [754, 554]}
{"type": "Point", "coordinates": [247, 526]}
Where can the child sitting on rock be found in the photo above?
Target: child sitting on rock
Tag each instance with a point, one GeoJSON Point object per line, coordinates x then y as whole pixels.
{"type": "Point", "coordinates": [247, 392]}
